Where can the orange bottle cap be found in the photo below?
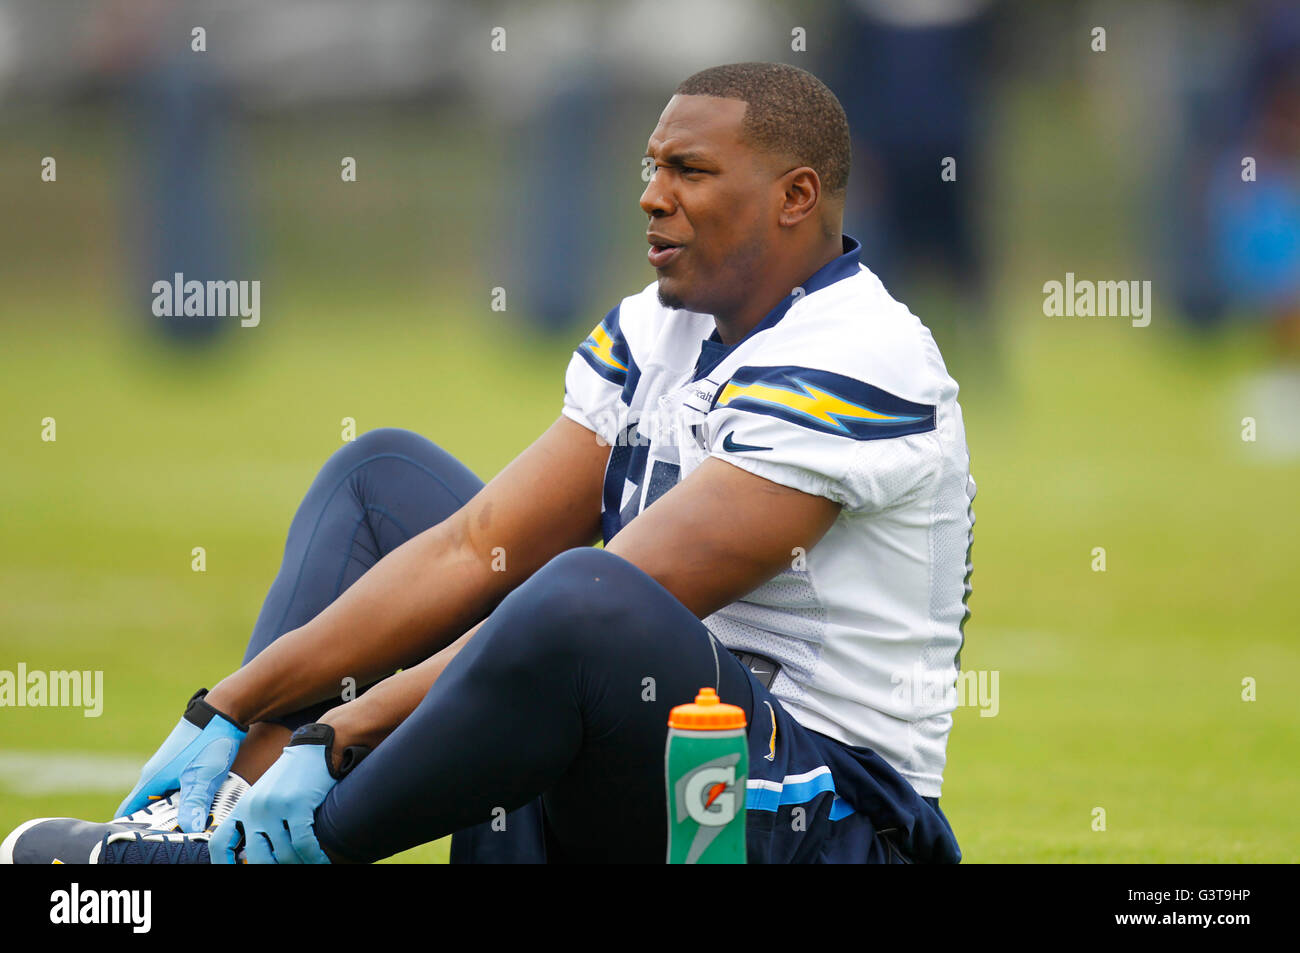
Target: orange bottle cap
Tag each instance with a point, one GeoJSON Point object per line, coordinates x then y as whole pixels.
{"type": "Point", "coordinates": [708, 713]}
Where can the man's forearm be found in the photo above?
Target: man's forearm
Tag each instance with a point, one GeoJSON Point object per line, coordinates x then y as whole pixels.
{"type": "Point", "coordinates": [434, 587]}
{"type": "Point", "coordinates": [407, 607]}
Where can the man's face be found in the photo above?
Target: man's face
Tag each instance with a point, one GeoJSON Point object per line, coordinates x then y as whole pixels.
{"type": "Point", "coordinates": [714, 199]}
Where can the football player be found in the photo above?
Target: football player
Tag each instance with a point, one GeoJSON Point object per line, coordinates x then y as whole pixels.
{"type": "Point", "coordinates": [771, 449]}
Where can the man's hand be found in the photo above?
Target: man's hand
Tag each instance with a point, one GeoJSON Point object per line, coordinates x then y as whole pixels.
{"type": "Point", "coordinates": [274, 819]}
{"type": "Point", "coordinates": [196, 757]}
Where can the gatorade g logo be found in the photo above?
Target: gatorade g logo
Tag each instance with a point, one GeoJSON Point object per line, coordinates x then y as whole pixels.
{"type": "Point", "coordinates": [708, 796]}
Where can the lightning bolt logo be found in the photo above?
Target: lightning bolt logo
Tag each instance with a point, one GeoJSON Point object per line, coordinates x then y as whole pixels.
{"type": "Point", "coordinates": [601, 346]}
{"type": "Point", "coordinates": [812, 402]}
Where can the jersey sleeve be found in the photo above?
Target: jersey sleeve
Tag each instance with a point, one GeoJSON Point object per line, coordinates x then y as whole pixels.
{"type": "Point", "coordinates": [598, 373]}
{"type": "Point", "coordinates": [825, 434]}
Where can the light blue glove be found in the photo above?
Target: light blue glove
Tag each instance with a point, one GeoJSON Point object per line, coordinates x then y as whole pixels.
{"type": "Point", "coordinates": [196, 757]}
{"type": "Point", "coordinates": [274, 818]}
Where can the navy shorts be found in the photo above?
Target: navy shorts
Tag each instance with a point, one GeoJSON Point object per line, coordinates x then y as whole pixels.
{"type": "Point", "coordinates": [813, 799]}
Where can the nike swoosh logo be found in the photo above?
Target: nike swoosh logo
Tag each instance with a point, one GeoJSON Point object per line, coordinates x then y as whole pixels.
{"type": "Point", "coordinates": [757, 672]}
{"type": "Point", "coordinates": [732, 447]}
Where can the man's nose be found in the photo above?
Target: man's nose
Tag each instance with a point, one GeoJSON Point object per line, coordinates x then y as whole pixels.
{"type": "Point", "coordinates": [656, 200]}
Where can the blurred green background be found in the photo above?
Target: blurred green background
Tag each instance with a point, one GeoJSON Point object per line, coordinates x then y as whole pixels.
{"type": "Point", "coordinates": [1119, 689]}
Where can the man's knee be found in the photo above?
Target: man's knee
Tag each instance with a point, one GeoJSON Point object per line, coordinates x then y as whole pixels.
{"type": "Point", "coordinates": [583, 602]}
{"type": "Point", "coordinates": [386, 444]}
{"type": "Point", "coordinates": [383, 441]}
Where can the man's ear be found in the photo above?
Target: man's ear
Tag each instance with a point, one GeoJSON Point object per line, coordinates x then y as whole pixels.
{"type": "Point", "coordinates": [801, 195]}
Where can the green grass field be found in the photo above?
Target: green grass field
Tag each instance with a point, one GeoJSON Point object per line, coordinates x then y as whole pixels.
{"type": "Point", "coordinates": [1119, 689]}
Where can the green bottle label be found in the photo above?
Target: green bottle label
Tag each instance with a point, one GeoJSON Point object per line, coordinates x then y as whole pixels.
{"type": "Point", "coordinates": [706, 773]}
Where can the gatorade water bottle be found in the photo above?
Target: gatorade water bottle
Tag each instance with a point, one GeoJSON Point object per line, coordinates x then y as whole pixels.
{"type": "Point", "coordinates": [706, 763]}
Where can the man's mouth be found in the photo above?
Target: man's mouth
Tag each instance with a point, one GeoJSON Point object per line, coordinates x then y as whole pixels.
{"type": "Point", "coordinates": [661, 251]}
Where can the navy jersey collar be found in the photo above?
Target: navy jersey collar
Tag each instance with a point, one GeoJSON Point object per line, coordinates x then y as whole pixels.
{"type": "Point", "coordinates": [712, 350]}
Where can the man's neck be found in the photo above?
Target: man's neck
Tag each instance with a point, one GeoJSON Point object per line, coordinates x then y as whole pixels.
{"type": "Point", "coordinates": [733, 326]}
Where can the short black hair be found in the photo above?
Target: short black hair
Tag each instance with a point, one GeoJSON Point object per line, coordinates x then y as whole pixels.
{"type": "Point", "coordinates": [790, 111]}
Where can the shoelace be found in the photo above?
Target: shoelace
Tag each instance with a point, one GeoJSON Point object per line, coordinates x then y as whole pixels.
{"type": "Point", "coordinates": [148, 808]}
{"type": "Point", "coordinates": [227, 796]}
{"type": "Point", "coordinates": [146, 850]}
{"type": "Point", "coordinates": [168, 803]}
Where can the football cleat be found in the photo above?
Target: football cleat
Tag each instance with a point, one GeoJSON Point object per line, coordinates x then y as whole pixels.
{"type": "Point", "coordinates": [151, 847]}
{"type": "Point", "coordinates": [65, 840]}
{"type": "Point", "coordinates": [58, 840]}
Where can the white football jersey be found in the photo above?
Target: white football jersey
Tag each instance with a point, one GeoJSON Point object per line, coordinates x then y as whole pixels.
{"type": "Point", "coordinates": [841, 392]}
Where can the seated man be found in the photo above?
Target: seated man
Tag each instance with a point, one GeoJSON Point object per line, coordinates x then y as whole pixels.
{"type": "Point", "coordinates": [771, 449]}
